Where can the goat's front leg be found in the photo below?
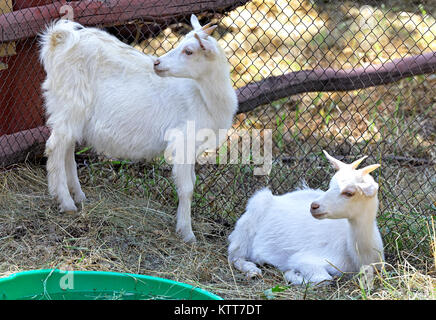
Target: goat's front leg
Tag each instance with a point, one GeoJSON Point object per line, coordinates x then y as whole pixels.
{"type": "Point", "coordinates": [183, 176]}
{"type": "Point", "coordinates": [56, 151]}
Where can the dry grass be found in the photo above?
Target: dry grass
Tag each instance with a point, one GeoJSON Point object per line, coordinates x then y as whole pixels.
{"type": "Point", "coordinates": [122, 231]}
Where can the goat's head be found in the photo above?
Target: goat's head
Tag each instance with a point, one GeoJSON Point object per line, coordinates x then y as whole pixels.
{"type": "Point", "coordinates": [349, 191]}
{"type": "Point", "coordinates": [193, 56]}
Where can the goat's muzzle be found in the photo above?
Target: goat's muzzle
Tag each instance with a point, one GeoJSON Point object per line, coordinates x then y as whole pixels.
{"type": "Point", "coordinates": [314, 206]}
{"type": "Point", "coordinates": [157, 68]}
{"type": "Point", "coordinates": [314, 210]}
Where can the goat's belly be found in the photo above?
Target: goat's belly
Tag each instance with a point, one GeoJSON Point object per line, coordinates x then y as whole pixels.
{"type": "Point", "coordinates": [125, 145]}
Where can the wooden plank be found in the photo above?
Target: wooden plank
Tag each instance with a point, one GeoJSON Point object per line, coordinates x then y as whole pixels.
{"type": "Point", "coordinates": [6, 49]}
{"type": "Point", "coordinates": [28, 22]}
{"type": "Point", "coordinates": [274, 88]}
{"type": "Point", "coordinates": [16, 147]}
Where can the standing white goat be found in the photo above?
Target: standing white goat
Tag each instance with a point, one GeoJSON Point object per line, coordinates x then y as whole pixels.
{"type": "Point", "coordinates": [282, 231]}
{"type": "Point", "coordinates": [122, 102]}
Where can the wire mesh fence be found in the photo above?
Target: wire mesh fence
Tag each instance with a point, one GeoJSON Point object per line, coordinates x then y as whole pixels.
{"type": "Point", "coordinates": [308, 41]}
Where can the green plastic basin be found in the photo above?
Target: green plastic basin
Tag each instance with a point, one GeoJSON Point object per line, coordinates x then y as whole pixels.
{"type": "Point", "coordinates": [56, 284]}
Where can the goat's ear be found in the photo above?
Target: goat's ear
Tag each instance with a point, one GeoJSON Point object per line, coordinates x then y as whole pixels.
{"type": "Point", "coordinates": [194, 22]}
{"type": "Point", "coordinates": [199, 41]}
{"type": "Point", "coordinates": [208, 49]}
{"type": "Point", "coordinates": [369, 169]}
{"type": "Point", "coordinates": [368, 189]}
{"type": "Point", "coordinates": [334, 162]}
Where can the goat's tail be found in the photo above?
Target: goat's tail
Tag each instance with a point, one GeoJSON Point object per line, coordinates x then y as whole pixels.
{"type": "Point", "coordinates": [242, 237]}
{"type": "Point", "coordinates": [59, 35]}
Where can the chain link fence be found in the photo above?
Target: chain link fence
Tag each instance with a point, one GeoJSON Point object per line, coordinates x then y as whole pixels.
{"type": "Point", "coordinates": [310, 66]}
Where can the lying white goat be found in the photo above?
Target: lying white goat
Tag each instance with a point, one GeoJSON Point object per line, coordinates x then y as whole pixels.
{"type": "Point", "coordinates": [282, 230]}
{"type": "Point", "coordinates": [122, 102]}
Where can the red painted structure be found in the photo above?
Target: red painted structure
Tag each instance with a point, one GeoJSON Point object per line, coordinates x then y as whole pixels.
{"type": "Point", "coordinates": [20, 82]}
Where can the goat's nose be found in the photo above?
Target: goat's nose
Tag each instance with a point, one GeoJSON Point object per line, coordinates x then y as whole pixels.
{"type": "Point", "coordinates": [156, 62]}
{"type": "Point", "coordinates": [314, 206]}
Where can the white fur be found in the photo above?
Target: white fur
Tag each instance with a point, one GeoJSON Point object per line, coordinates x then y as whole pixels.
{"type": "Point", "coordinates": [103, 92]}
{"type": "Point", "coordinates": [283, 231]}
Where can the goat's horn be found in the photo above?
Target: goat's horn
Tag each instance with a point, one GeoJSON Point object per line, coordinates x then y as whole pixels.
{"type": "Point", "coordinates": [369, 169]}
{"type": "Point", "coordinates": [199, 40]}
{"type": "Point", "coordinates": [206, 25]}
{"type": "Point", "coordinates": [209, 30]}
{"type": "Point", "coordinates": [356, 163]}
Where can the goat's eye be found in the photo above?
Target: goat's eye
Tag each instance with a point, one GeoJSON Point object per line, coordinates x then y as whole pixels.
{"type": "Point", "coordinates": [188, 52]}
{"type": "Point", "coordinates": [348, 194]}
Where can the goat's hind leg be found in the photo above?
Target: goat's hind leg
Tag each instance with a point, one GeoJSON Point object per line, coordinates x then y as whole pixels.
{"type": "Point", "coordinates": [56, 150]}
{"type": "Point", "coordinates": [294, 277]}
{"type": "Point", "coordinates": [249, 268]}
{"type": "Point", "coordinates": [307, 269]}
{"type": "Point", "coordinates": [72, 177]}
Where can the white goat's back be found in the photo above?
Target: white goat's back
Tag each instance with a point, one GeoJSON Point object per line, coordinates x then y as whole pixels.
{"type": "Point", "coordinates": [273, 229]}
{"type": "Point", "coordinates": [247, 225]}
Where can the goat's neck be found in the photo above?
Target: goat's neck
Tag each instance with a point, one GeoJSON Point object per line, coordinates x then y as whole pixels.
{"type": "Point", "coordinates": [219, 96]}
{"type": "Point", "coordinates": [362, 239]}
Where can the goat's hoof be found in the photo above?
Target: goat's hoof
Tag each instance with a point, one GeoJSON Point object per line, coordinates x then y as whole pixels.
{"type": "Point", "coordinates": [68, 208]}
{"type": "Point", "coordinates": [185, 232]}
{"type": "Point", "coordinates": [294, 278]}
{"type": "Point", "coordinates": [254, 274]}
{"type": "Point", "coordinates": [188, 238]}
{"type": "Point", "coordinates": [79, 197]}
